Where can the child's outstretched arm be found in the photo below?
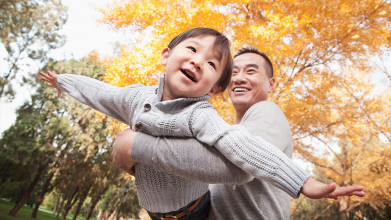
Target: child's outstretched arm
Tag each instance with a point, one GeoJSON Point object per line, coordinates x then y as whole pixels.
{"type": "Point", "coordinates": [259, 158]}
{"type": "Point", "coordinates": [116, 102]}
{"type": "Point", "coordinates": [51, 78]}
{"type": "Point", "coordinates": [314, 189]}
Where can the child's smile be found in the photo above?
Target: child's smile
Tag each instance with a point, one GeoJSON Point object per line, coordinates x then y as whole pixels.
{"type": "Point", "coordinates": [189, 74]}
{"type": "Point", "coordinates": [192, 68]}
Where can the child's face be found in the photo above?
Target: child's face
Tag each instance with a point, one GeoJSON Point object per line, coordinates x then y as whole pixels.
{"type": "Point", "coordinates": [192, 68]}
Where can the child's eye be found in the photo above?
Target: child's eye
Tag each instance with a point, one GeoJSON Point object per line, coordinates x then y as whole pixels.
{"type": "Point", "coordinates": [192, 49]}
{"type": "Point", "coordinates": [212, 64]}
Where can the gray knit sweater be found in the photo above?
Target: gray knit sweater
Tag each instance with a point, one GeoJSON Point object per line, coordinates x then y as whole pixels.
{"type": "Point", "coordinates": [141, 107]}
{"type": "Point", "coordinates": [255, 199]}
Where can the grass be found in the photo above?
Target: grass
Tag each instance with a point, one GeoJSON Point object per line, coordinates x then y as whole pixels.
{"type": "Point", "coordinates": [23, 214]}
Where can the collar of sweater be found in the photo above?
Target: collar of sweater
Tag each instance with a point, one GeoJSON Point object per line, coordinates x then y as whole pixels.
{"type": "Point", "coordinates": [186, 99]}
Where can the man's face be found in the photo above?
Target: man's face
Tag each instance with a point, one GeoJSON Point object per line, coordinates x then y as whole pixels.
{"type": "Point", "coordinates": [192, 68]}
{"type": "Point", "coordinates": [250, 82]}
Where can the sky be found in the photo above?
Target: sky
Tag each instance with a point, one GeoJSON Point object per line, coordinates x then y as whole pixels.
{"type": "Point", "coordinates": [83, 35]}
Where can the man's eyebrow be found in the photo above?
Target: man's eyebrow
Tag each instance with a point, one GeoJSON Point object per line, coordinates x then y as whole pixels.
{"type": "Point", "coordinates": [248, 65]}
{"type": "Point", "coordinates": [252, 65]}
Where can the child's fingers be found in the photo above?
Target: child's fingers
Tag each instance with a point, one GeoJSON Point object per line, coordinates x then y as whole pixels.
{"type": "Point", "coordinates": [45, 79]}
{"type": "Point", "coordinates": [45, 76]}
{"type": "Point", "coordinates": [51, 85]}
{"type": "Point", "coordinates": [52, 75]}
{"type": "Point", "coordinates": [347, 191]}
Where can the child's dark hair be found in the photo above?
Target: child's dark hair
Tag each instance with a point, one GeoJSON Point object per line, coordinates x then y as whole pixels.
{"type": "Point", "coordinates": [256, 51]}
{"type": "Point", "coordinates": [220, 46]}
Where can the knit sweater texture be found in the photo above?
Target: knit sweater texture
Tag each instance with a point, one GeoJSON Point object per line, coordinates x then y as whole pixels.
{"type": "Point", "coordinates": [141, 107]}
{"type": "Point", "coordinates": [240, 197]}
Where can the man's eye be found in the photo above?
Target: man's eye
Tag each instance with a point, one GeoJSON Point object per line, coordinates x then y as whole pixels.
{"type": "Point", "coordinates": [250, 70]}
{"type": "Point", "coordinates": [212, 64]}
{"type": "Point", "coordinates": [192, 49]}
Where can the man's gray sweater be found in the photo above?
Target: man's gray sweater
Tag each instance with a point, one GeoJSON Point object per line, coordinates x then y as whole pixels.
{"type": "Point", "coordinates": [141, 107]}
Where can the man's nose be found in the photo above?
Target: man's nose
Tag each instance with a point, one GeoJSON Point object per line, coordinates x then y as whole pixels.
{"type": "Point", "coordinates": [238, 77]}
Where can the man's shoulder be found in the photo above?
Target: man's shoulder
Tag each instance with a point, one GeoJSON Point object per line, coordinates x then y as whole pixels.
{"type": "Point", "coordinates": [266, 119]}
{"type": "Point", "coordinates": [264, 104]}
{"type": "Point", "coordinates": [264, 109]}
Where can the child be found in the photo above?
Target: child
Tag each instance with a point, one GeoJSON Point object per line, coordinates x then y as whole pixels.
{"type": "Point", "coordinates": [198, 65]}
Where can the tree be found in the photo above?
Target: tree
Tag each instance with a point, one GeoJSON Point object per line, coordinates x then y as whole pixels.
{"type": "Point", "coordinates": [28, 30]}
{"type": "Point", "coordinates": [51, 135]}
{"type": "Point", "coordinates": [85, 170]}
{"type": "Point", "coordinates": [322, 52]}
{"type": "Point", "coordinates": [24, 159]}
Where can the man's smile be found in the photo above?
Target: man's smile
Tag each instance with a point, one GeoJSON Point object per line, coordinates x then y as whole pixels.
{"type": "Point", "coordinates": [240, 89]}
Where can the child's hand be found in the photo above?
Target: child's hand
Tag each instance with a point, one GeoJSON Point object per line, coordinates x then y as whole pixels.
{"type": "Point", "coordinates": [51, 78]}
{"type": "Point", "coordinates": [314, 189]}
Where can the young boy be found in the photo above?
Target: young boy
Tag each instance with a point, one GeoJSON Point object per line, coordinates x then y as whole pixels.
{"type": "Point", "coordinates": [198, 65]}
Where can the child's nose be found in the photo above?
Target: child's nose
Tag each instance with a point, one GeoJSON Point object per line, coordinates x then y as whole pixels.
{"type": "Point", "coordinates": [197, 64]}
{"type": "Point", "coordinates": [196, 61]}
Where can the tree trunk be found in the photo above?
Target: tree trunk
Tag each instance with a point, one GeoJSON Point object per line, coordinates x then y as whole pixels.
{"type": "Point", "coordinates": [83, 197]}
{"type": "Point", "coordinates": [57, 203]}
{"type": "Point", "coordinates": [42, 194]}
{"type": "Point", "coordinates": [66, 209]}
{"type": "Point", "coordinates": [60, 208]}
{"type": "Point", "coordinates": [27, 194]}
{"type": "Point", "coordinates": [342, 209]}
{"type": "Point", "coordinates": [70, 203]}
{"type": "Point", "coordinates": [91, 209]}
{"type": "Point", "coordinates": [79, 204]}
{"type": "Point", "coordinates": [94, 202]}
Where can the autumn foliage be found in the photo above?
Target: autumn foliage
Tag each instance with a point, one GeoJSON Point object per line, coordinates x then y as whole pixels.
{"type": "Point", "coordinates": [323, 53]}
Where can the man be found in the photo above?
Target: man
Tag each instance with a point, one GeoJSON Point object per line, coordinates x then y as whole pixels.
{"type": "Point", "coordinates": [252, 80]}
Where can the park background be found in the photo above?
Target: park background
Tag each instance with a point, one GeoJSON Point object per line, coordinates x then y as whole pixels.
{"type": "Point", "coordinates": [333, 72]}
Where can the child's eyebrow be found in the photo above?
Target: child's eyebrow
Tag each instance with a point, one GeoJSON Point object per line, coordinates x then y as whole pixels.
{"type": "Point", "coordinates": [216, 56]}
{"type": "Point", "coordinates": [194, 42]}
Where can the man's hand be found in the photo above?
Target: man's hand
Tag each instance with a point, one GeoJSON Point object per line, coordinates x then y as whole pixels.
{"type": "Point", "coordinates": [122, 147]}
{"type": "Point", "coordinates": [51, 78]}
{"type": "Point", "coordinates": [314, 189]}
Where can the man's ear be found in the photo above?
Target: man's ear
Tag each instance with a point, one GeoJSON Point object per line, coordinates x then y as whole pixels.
{"type": "Point", "coordinates": [216, 89]}
{"type": "Point", "coordinates": [165, 55]}
{"type": "Point", "coordinates": [271, 85]}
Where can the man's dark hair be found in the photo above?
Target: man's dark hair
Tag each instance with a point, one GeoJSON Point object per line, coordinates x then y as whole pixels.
{"type": "Point", "coordinates": [221, 46]}
{"type": "Point", "coordinates": [256, 51]}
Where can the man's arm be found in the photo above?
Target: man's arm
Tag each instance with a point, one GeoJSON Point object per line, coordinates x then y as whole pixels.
{"type": "Point", "coordinates": [187, 158]}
